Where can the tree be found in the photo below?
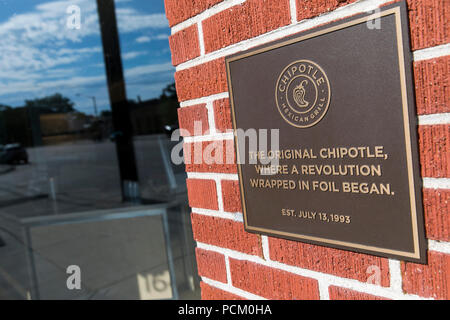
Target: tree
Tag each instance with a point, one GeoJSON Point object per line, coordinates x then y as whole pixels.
{"type": "Point", "coordinates": [169, 92]}
{"type": "Point", "coordinates": [4, 107]}
{"type": "Point", "coordinates": [55, 103]}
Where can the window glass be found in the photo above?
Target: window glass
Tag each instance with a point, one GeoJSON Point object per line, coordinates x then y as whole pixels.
{"type": "Point", "coordinates": [73, 222]}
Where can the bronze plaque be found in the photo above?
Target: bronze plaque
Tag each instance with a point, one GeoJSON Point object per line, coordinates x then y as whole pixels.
{"type": "Point", "coordinates": [345, 172]}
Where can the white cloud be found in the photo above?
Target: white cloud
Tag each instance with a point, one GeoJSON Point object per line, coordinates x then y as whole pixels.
{"type": "Point", "coordinates": [38, 50]}
{"type": "Point", "coordinates": [133, 54]}
{"type": "Point", "coordinates": [129, 19]}
{"type": "Point", "coordinates": [38, 84]}
{"type": "Point", "coordinates": [147, 69]}
{"type": "Point", "coordinates": [143, 39]}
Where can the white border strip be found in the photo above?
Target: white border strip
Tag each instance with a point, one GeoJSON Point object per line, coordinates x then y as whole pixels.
{"type": "Point", "coordinates": [234, 216]}
{"type": "Point", "coordinates": [226, 4]}
{"type": "Point", "coordinates": [431, 53]}
{"type": "Point", "coordinates": [201, 40]}
{"type": "Point", "coordinates": [228, 270]}
{"type": "Point", "coordinates": [203, 100]}
{"type": "Point", "coordinates": [265, 247]}
{"type": "Point", "coordinates": [210, 136]}
{"type": "Point", "coordinates": [211, 118]}
{"type": "Point", "coordinates": [219, 193]}
{"type": "Point", "coordinates": [431, 119]}
{"type": "Point", "coordinates": [439, 246]}
{"type": "Point", "coordinates": [293, 9]}
{"type": "Point", "coordinates": [230, 289]}
{"type": "Point", "coordinates": [324, 293]}
{"type": "Point", "coordinates": [213, 176]}
{"type": "Point", "coordinates": [436, 183]}
{"type": "Point", "coordinates": [328, 279]}
{"type": "Point", "coordinates": [395, 273]}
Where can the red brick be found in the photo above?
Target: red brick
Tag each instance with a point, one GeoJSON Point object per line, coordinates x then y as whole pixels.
{"type": "Point", "coordinates": [202, 193]}
{"type": "Point", "coordinates": [272, 283]}
{"type": "Point", "coordinates": [432, 85]}
{"type": "Point", "coordinates": [244, 21]}
{"type": "Point", "coordinates": [225, 233]}
{"type": "Point", "coordinates": [431, 280]}
{"type": "Point", "coordinates": [437, 217]}
{"type": "Point", "coordinates": [428, 22]}
{"type": "Point", "coordinates": [231, 196]}
{"type": "Point", "coordinates": [179, 10]}
{"type": "Point", "coordinates": [202, 80]}
{"type": "Point", "coordinates": [187, 117]}
{"type": "Point", "coordinates": [307, 9]}
{"type": "Point", "coordinates": [435, 150]}
{"type": "Point", "coordinates": [340, 263]}
{"type": "Point", "coordinates": [210, 156]}
{"type": "Point", "coordinates": [211, 293]}
{"type": "Point", "coordinates": [184, 45]}
{"type": "Point", "coordinates": [338, 293]}
{"type": "Point", "coordinates": [222, 115]}
{"type": "Point", "coordinates": [211, 265]}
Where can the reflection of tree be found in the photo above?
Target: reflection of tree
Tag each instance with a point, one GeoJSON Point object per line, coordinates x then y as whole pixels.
{"type": "Point", "coordinates": [169, 92]}
{"type": "Point", "coordinates": [105, 113]}
{"type": "Point", "coordinates": [150, 116]}
{"type": "Point", "coordinates": [55, 103]}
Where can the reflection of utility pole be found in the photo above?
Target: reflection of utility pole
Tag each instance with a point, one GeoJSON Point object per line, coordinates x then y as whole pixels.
{"type": "Point", "coordinates": [118, 99]}
{"type": "Point", "coordinates": [94, 101]}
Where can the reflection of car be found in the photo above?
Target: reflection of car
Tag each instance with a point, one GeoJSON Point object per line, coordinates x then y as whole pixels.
{"type": "Point", "coordinates": [13, 153]}
{"type": "Point", "coordinates": [169, 129]}
{"type": "Point", "coordinates": [115, 135]}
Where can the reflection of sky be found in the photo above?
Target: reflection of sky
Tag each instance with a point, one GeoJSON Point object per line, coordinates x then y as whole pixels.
{"type": "Point", "coordinates": [40, 55]}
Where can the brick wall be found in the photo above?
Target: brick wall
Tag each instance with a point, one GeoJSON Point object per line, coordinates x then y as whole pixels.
{"type": "Point", "coordinates": [234, 264]}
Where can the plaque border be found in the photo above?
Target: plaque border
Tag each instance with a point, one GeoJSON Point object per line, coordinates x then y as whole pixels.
{"type": "Point", "coordinates": [419, 252]}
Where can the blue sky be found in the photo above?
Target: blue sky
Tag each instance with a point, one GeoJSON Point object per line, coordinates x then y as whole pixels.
{"type": "Point", "coordinates": [40, 55]}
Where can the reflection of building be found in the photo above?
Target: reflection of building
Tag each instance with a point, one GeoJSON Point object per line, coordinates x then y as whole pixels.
{"type": "Point", "coordinates": [31, 126]}
{"type": "Point", "coordinates": [59, 123]}
{"type": "Point", "coordinates": [64, 127]}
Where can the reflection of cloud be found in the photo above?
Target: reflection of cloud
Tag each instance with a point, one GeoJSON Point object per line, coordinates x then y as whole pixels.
{"type": "Point", "coordinates": [22, 63]}
{"type": "Point", "coordinates": [133, 54]}
{"type": "Point", "coordinates": [145, 39]}
{"type": "Point", "coordinates": [147, 69]}
{"type": "Point", "coordinates": [35, 45]}
{"type": "Point", "coordinates": [38, 84]}
{"type": "Point", "coordinates": [161, 37]}
{"type": "Point", "coordinates": [35, 86]}
{"type": "Point", "coordinates": [128, 20]}
{"type": "Point", "coordinates": [48, 22]}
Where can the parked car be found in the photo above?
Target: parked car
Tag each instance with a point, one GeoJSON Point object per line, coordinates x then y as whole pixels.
{"type": "Point", "coordinates": [13, 153]}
